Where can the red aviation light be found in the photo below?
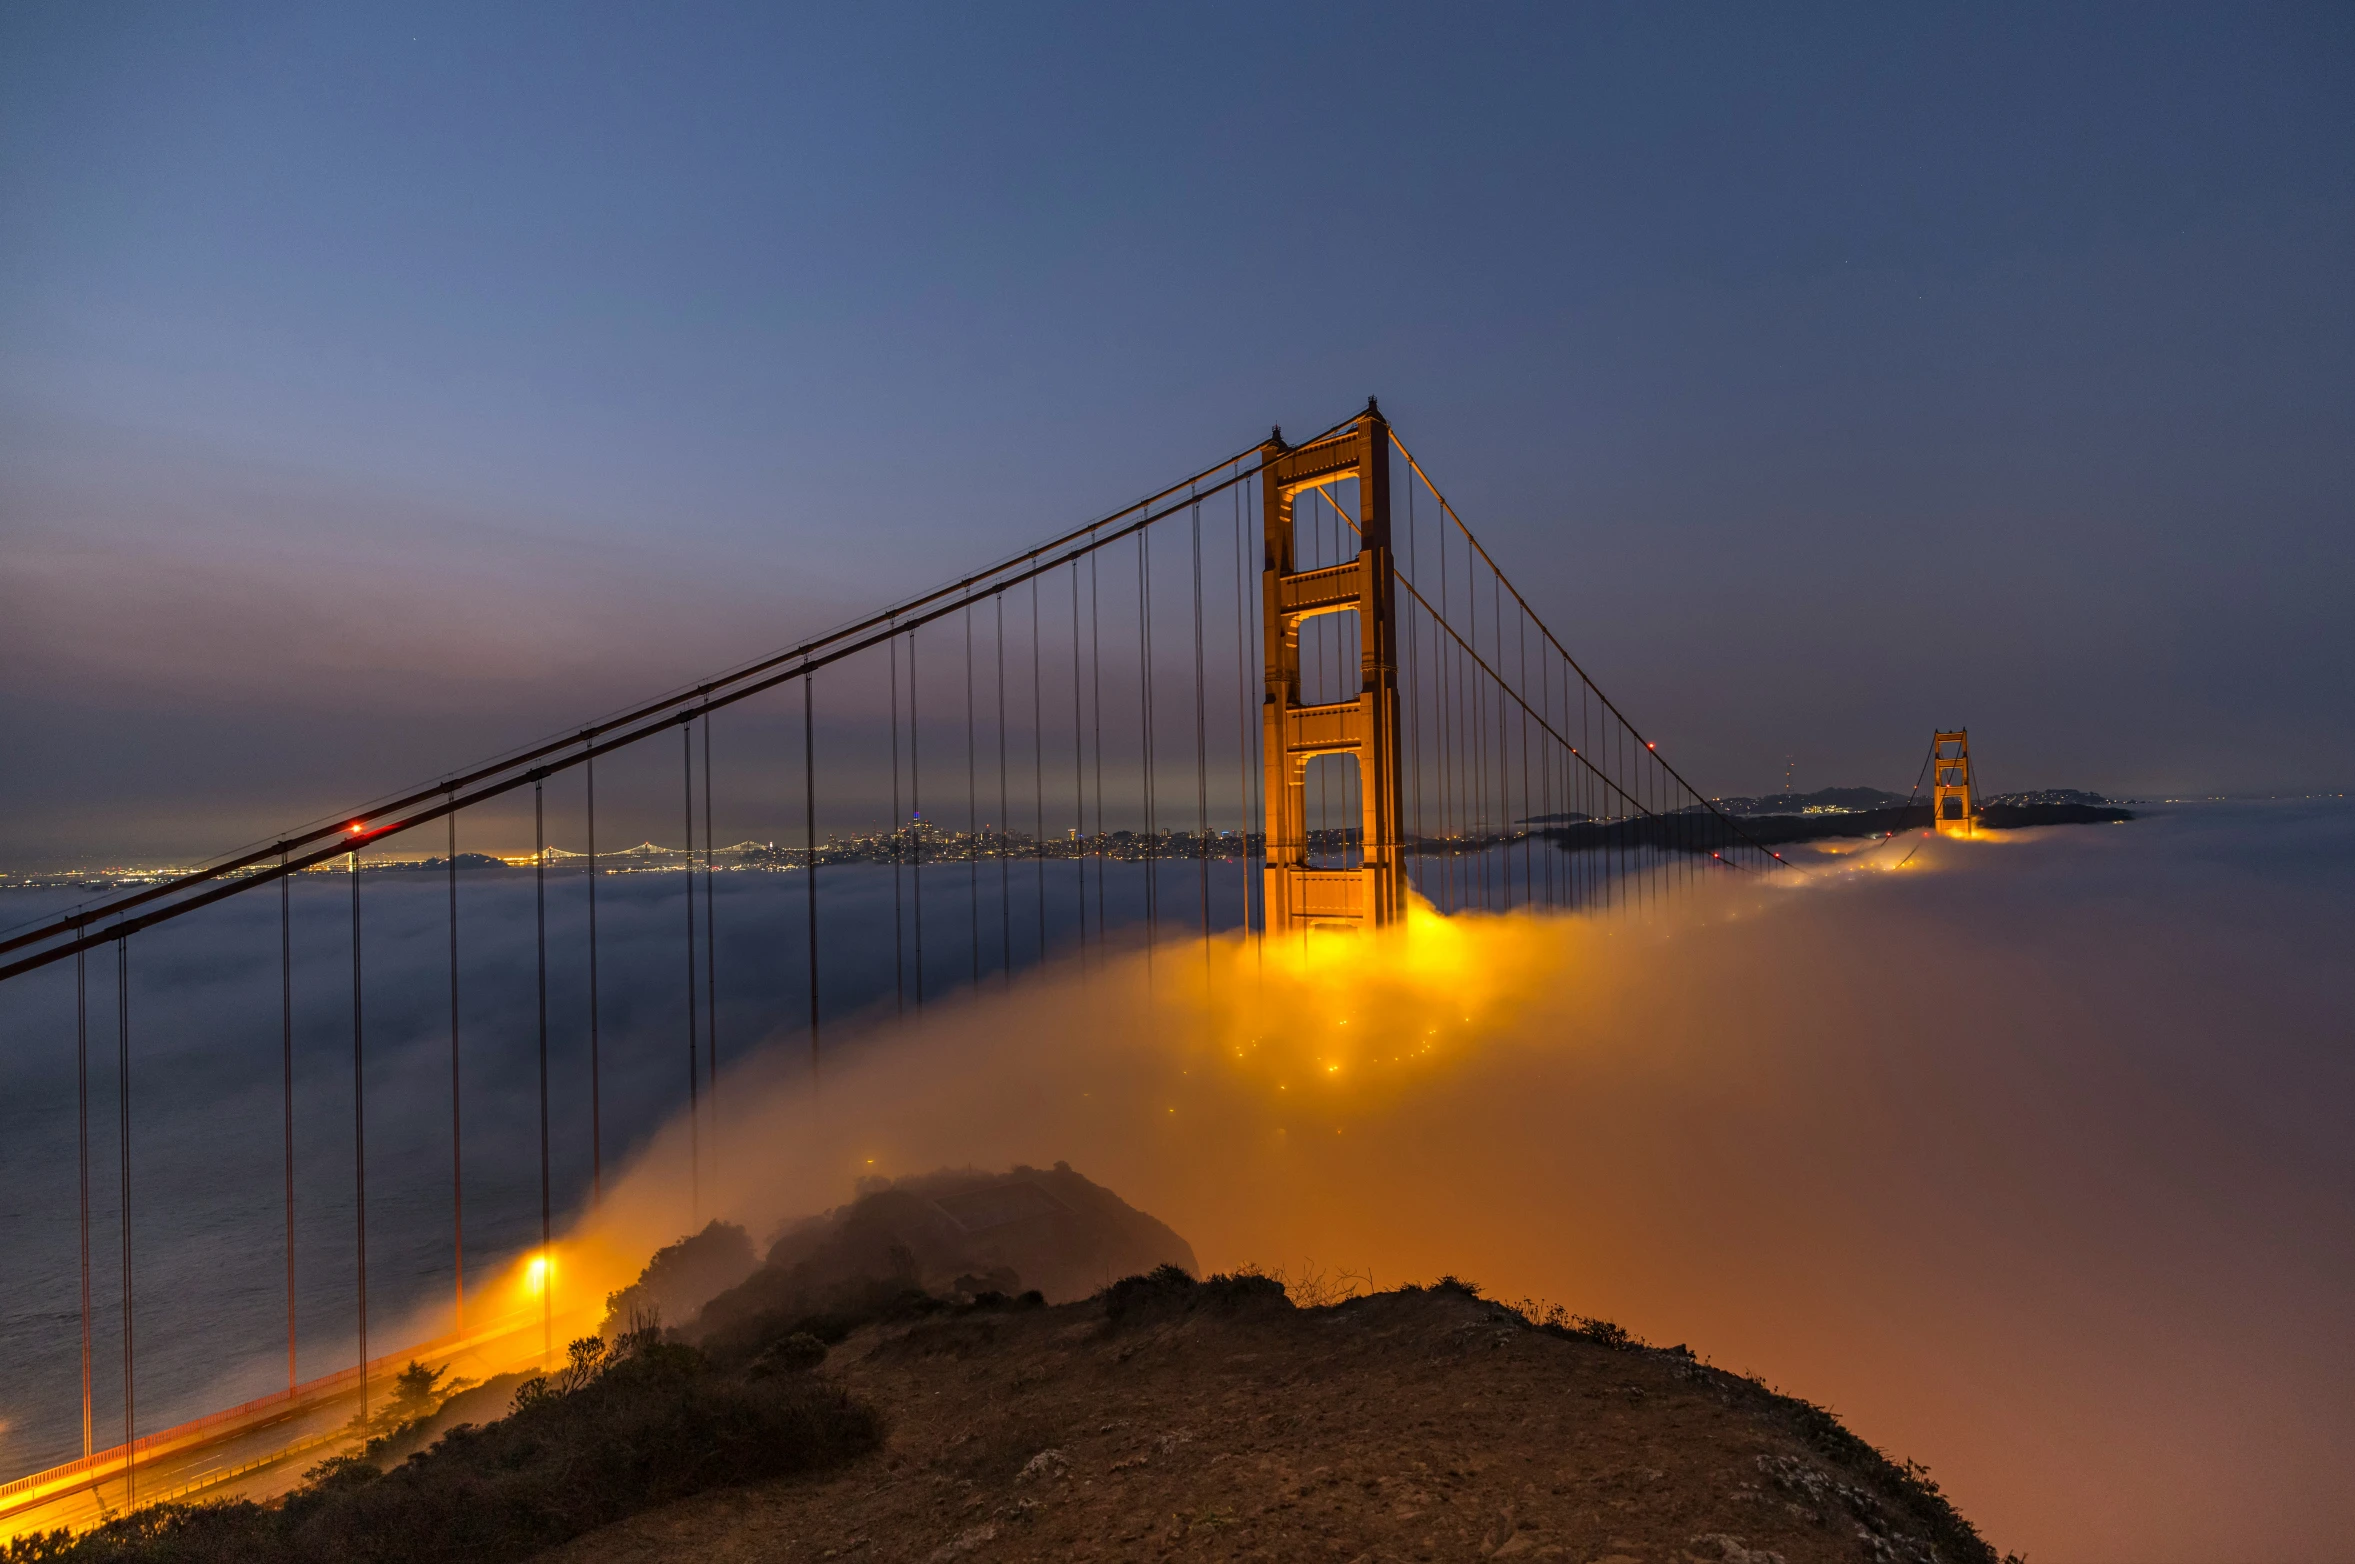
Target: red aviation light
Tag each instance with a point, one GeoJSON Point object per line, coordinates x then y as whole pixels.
{"type": "Point", "coordinates": [357, 828]}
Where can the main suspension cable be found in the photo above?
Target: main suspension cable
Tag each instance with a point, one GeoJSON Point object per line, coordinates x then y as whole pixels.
{"type": "Point", "coordinates": [117, 906]}
{"type": "Point", "coordinates": [711, 697]}
{"type": "Point", "coordinates": [1564, 651]}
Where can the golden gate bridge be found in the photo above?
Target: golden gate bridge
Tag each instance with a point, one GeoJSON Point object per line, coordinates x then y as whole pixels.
{"type": "Point", "coordinates": [1217, 741]}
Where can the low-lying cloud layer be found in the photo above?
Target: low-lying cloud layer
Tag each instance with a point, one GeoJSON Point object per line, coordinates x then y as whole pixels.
{"type": "Point", "coordinates": [2024, 1158]}
{"type": "Point", "coordinates": [2018, 1158]}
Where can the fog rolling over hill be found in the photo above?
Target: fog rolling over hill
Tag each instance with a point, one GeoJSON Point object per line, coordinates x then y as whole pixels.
{"type": "Point", "coordinates": [1941, 1148]}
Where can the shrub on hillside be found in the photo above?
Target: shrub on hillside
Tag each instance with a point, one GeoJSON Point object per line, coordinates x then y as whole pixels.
{"type": "Point", "coordinates": [1169, 1288]}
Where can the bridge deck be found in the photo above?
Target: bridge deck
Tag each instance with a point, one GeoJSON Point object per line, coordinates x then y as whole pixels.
{"type": "Point", "coordinates": [250, 1448]}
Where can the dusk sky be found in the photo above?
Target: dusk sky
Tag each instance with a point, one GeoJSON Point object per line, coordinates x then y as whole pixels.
{"type": "Point", "coordinates": [377, 394]}
{"type": "Point", "coordinates": [385, 388]}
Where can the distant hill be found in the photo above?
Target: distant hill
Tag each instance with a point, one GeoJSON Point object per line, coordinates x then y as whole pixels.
{"type": "Point", "coordinates": [1691, 830]}
{"type": "Point", "coordinates": [2049, 795]}
{"type": "Point", "coordinates": [1823, 801]}
{"type": "Point", "coordinates": [440, 865]}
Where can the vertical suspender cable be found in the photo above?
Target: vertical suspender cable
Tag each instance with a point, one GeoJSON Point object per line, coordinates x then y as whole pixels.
{"type": "Point", "coordinates": [1492, 698]}
{"type": "Point", "coordinates": [1079, 784]}
{"type": "Point", "coordinates": [1528, 848]}
{"type": "Point", "coordinates": [1545, 764]}
{"type": "Point", "coordinates": [694, 1073]}
{"type": "Point", "coordinates": [82, 1144]}
{"type": "Point", "coordinates": [1614, 844]}
{"type": "Point", "coordinates": [1504, 736]}
{"type": "Point", "coordinates": [1565, 796]}
{"type": "Point", "coordinates": [596, 1062]}
{"type": "Point", "coordinates": [359, 1133]}
{"type": "Point", "coordinates": [122, 1014]}
{"type": "Point", "coordinates": [1038, 773]}
{"type": "Point", "coordinates": [916, 818]}
{"type": "Point", "coordinates": [286, 1093]}
{"type": "Point", "coordinates": [809, 842]}
{"type": "Point", "coordinates": [711, 955]}
{"type": "Point", "coordinates": [540, 945]}
{"type": "Point", "coordinates": [1573, 800]}
{"type": "Point", "coordinates": [1435, 679]}
{"type": "Point", "coordinates": [1005, 825]}
{"type": "Point", "coordinates": [1414, 694]}
{"type": "Point", "coordinates": [1201, 752]}
{"type": "Point", "coordinates": [1243, 820]}
{"type": "Point", "coordinates": [1254, 748]}
{"type": "Point", "coordinates": [972, 813]}
{"type": "Point", "coordinates": [1479, 734]}
{"type": "Point", "coordinates": [1096, 729]}
{"type": "Point", "coordinates": [1602, 878]}
{"type": "Point", "coordinates": [1444, 731]}
{"type": "Point", "coordinates": [1320, 630]}
{"type": "Point", "coordinates": [457, 1142]}
{"type": "Point", "coordinates": [1472, 733]}
{"type": "Point", "coordinates": [1145, 744]}
{"type": "Point", "coordinates": [1627, 888]}
{"type": "Point", "coordinates": [899, 843]}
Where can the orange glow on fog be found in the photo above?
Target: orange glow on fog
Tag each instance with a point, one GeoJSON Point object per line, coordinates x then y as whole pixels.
{"type": "Point", "coordinates": [1358, 1012]}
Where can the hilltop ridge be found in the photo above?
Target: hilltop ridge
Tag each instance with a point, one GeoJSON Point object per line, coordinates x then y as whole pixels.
{"type": "Point", "coordinates": [1217, 1420]}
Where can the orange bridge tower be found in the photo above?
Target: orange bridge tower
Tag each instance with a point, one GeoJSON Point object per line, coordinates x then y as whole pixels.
{"type": "Point", "coordinates": [1365, 726]}
{"type": "Point", "coordinates": [1951, 802]}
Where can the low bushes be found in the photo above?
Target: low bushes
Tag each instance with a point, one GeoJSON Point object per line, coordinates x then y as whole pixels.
{"type": "Point", "coordinates": [1169, 1289]}
{"type": "Point", "coordinates": [612, 1435]}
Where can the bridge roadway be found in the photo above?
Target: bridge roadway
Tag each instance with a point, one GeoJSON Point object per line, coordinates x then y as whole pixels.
{"type": "Point", "coordinates": [257, 1450]}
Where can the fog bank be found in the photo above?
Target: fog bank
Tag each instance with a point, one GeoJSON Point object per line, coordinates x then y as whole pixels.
{"type": "Point", "coordinates": [2023, 1158]}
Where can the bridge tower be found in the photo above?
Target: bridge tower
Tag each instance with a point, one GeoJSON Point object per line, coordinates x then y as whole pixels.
{"type": "Point", "coordinates": [1952, 805]}
{"type": "Point", "coordinates": [1365, 726]}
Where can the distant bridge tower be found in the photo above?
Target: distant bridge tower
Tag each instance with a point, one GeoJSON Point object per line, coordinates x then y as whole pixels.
{"type": "Point", "coordinates": [1951, 802]}
{"type": "Point", "coordinates": [1365, 726]}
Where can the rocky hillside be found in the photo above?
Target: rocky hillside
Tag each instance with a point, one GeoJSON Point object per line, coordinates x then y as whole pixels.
{"type": "Point", "coordinates": [1214, 1420]}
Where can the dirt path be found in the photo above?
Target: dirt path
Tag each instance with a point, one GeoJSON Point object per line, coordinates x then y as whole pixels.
{"type": "Point", "coordinates": [1419, 1425]}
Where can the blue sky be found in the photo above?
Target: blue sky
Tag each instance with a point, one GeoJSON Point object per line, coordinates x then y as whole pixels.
{"type": "Point", "coordinates": [380, 388]}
